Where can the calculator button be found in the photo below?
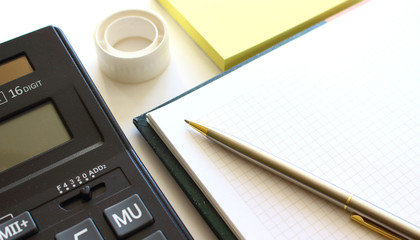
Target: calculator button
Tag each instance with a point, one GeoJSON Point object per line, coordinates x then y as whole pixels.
{"type": "Point", "coordinates": [156, 236]}
{"type": "Point", "coordinates": [128, 216]}
{"type": "Point", "coordinates": [19, 227]}
{"type": "Point", "coordinates": [84, 230]}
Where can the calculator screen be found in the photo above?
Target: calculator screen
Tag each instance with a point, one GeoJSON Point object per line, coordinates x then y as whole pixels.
{"type": "Point", "coordinates": [14, 68]}
{"type": "Point", "coordinates": [29, 134]}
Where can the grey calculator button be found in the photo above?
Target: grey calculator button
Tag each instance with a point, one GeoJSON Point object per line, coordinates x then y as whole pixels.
{"type": "Point", "coordinates": [128, 216]}
{"type": "Point", "coordinates": [85, 230]}
{"type": "Point", "coordinates": [19, 227]}
{"type": "Point", "coordinates": [156, 236]}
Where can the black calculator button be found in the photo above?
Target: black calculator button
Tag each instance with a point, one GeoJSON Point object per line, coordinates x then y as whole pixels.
{"type": "Point", "coordinates": [85, 230]}
{"type": "Point", "coordinates": [156, 236]}
{"type": "Point", "coordinates": [19, 227]}
{"type": "Point", "coordinates": [128, 216]}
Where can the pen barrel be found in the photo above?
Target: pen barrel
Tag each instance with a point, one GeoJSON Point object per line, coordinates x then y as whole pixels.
{"type": "Point", "coordinates": [282, 168]}
{"type": "Point", "coordinates": [316, 185]}
{"type": "Point", "coordinates": [382, 218]}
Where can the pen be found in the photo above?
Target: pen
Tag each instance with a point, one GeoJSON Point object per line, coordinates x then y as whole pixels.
{"type": "Point", "coordinates": [361, 211]}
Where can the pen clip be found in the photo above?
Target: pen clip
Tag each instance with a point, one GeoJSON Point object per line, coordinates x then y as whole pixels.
{"type": "Point", "coordinates": [359, 219]}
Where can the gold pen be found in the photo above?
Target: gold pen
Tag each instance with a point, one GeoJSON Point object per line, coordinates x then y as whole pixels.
{"type": "Point", "coordinates": [362, 211]}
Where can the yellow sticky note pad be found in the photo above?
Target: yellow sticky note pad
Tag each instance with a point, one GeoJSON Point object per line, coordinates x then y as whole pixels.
{"type": "Point", "coordinates": [231, 31]}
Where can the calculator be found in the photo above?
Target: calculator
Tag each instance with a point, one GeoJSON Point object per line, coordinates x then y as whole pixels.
{"type": "Point", "coordinates": [67, 172]}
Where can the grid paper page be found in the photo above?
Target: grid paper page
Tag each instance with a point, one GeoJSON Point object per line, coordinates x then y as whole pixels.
{"type": "Point", "coordinates": [361, 147]}
{"type": "Point", "coordinates": [352, 119]}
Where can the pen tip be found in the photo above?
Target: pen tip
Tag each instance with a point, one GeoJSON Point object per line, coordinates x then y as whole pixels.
{"type": "Point", "coordinates": [203, 130]}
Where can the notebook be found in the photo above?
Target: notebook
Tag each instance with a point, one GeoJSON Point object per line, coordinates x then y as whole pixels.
{"type": "Point", "coordinates": [340, 102]}
{"type": "Point", "coordinates": [230, 31]}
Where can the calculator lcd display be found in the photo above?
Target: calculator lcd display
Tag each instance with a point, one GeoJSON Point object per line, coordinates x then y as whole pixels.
{"type": "Point", "coordinates": [15, 68]}
{"type": "Point", "coordinates": [29, 134]}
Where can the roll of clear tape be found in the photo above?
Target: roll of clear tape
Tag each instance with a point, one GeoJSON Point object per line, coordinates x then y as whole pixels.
{"type": "Point", "coordinates": [133, 65]}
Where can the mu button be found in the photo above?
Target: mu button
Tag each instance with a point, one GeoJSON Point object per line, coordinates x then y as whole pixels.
{"type": "Point", "coordinates": [128, 216]}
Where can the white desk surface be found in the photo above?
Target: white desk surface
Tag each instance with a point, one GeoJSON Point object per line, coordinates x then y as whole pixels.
{"type": "Point", "coordinates": [188, 67]}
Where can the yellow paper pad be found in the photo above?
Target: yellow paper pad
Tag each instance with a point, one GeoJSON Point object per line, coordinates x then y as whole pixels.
{"type": "Point", "coordinates": [231, 31]}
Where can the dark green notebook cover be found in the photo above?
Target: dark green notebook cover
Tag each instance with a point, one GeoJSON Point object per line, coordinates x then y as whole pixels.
{"type": "Point", "coordinates": [187, 184]}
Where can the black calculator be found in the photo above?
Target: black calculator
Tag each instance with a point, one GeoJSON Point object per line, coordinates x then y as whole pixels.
{"type": "Point", "coordinates": [67, 172]}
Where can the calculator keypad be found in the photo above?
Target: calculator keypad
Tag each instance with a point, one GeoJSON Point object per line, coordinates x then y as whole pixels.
{"type": "Point", "coordinates": [125, 218]}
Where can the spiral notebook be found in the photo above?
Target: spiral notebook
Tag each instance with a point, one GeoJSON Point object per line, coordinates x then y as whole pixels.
{"type": "Point", "coordinates": [341, 102]}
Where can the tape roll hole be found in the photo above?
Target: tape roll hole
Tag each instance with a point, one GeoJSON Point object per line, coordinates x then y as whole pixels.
{"type": "Point", "coordinates": [131, 35]}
